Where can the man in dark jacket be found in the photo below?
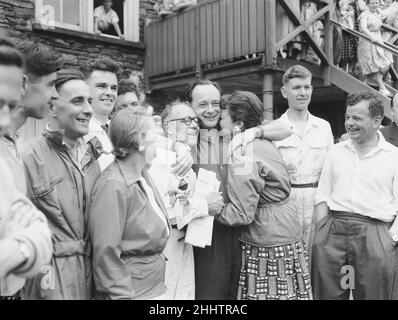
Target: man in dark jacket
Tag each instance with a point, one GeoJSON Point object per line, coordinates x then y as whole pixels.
{"type": "Point", "coordinates": [391, 132]}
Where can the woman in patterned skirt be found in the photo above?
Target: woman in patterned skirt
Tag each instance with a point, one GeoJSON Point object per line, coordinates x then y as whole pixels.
{"type": "Point", "coordinates": [347, 15]}
{"type": "Point", "coordinates": [274, 259]}
{"type": "Point", "coordinates": [373, 59]}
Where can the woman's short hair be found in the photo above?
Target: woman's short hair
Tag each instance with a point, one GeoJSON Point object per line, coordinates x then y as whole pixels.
{"type": "Point", "coordinates": [126, 128]}
{"type": "Point", "coordinates": [245, 107]}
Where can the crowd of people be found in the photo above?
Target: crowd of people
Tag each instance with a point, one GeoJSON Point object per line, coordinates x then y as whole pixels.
{"type": "Point", "coordinates": [102, 205]}
{"type": "Point", "coordinates": [360, 57]}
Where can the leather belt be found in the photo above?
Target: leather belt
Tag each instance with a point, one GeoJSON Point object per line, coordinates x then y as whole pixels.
{"type": "Point", "coordinates": [305, 186]}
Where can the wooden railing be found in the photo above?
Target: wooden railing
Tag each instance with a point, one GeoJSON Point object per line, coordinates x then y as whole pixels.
{"type": "Point", "coordinates": [223, 31]}
{"type": "Point", "coordinates": [207, 33]}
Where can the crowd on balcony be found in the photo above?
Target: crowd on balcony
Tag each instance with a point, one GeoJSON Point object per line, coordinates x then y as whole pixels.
{"type": "Point", "coordinates": [358, 56]}
{"type": "Point", "coordinates": [166, 7]}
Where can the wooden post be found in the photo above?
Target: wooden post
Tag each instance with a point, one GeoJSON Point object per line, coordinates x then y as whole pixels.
{"type": "Point", "coordinates": [198, 58]}
{"type": "Point", "coordinates": [327, 76]}
{"type": "Point", "coordinates": [269, 59]}
{"type": "Point", "coordinates": [268, 95]}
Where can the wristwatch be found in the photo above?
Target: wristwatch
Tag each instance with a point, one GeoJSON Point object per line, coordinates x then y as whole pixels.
{"type": "Point", "coordinates": [24, 250]}
{"type": "Point", "coordinates": [394, 238]}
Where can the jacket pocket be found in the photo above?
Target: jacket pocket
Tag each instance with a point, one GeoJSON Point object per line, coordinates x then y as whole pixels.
{"type": "Point", "coordinates": [147, 274]}
{"type": "Point", "coordinates": [44, 189]}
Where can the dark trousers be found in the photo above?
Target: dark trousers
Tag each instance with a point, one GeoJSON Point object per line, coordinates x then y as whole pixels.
{"type": "Point", "coordinates": [217, 267]}
{"type": "Point", "coordinates": [363, 244]}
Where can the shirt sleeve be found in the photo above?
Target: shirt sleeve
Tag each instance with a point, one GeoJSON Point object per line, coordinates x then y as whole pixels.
{"type": "Point", "coordinates": [330, 138]}
{"type": "Point", "coordinates": [324, 191]}
{"type": "Point", "coordinates": [107, 218]}
{"type": "Point", "coordinates": [115, 17]}
{"type": "Point", "coordinates": [97, 12]}
{"type": "Point", "coordinates": [395, 181]}
{"type": "Point", "coordinates": [244, 186]}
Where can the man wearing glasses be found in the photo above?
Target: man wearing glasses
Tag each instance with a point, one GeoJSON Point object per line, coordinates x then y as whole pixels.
{"type": "Point", "coordinates": [217, 267]}
{"type": "Point", "coordinates": [181, 127]}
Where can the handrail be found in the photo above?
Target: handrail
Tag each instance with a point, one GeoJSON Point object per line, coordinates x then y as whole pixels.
{"type": "Point", "coordinates": [389, 47]}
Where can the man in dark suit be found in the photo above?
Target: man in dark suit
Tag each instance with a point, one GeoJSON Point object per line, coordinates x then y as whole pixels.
{"type": "Point", "coordinates": [391, 132]}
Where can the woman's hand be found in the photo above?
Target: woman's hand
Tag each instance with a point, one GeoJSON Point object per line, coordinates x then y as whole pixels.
{"type": "Point", "coordinates": [215, 203]}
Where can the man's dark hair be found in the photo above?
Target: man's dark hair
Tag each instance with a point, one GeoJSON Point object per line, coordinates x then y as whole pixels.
{"type": "Point", "coordinates": [65, 75]}
{"type": "Point", "coordinates": [126, 87]}
{"type": "Point", "coordinates": [246, 107]}
{"type": "Point", "coordinates": [101, 64]}
{"type": "Point", "coordinates": [199, 82]}
{"type": "Point", "coordinates": [40, 60]}
{"type": "Point", "coordinates": [9, 54]}
{"type": "Point", "coordinates": [376, 108]}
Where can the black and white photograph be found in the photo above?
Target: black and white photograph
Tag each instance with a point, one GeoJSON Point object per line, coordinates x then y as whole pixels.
{"type": "Point", "coordinates": [198, 155]}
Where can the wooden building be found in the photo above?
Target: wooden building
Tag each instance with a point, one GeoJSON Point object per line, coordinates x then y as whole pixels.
{"type": "Point", "coordinates": [235, 43]}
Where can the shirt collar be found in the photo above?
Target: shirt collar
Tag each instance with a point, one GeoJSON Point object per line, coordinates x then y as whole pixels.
{"type": "Point", "coordinates": [382, 145]}
{"type": "Point", "coordinates": [57, 138]}
{"type": "Point", "coordinates": [98, 126]}
{"type": "Point", "coordinates": [130, 175]}
{"type": "Point", "coordinates": [312, 121]}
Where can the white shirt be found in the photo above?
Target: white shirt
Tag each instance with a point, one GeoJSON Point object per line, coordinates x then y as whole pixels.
{"type": "Point", "coordinates": [304, 155]}
{"type": "Point", "coordinates": [165, 180]}
{"type": "Point", "coordinates": [155, 206]}
{"type": "Point", "coordinates": [95, 130]}
{"type": "Point", "coordinates": [106, 18]}
{"type": "Point", "coordinates": [367, 186]}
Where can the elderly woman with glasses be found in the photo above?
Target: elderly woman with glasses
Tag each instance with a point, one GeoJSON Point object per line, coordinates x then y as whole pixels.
{"type": "Point", "coordinates": [274, 260]}
{"type": "Point", "coordinates": [128, 220]}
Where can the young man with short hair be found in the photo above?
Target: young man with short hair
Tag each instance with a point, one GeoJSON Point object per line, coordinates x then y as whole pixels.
{"type": "Point", "coordinates": [25, 239]}
{"type": "Point", "coordinates": [127, 96]}
{"type": "Point", "coordinates": [102, 78]}
{"type": "Point", "coordinates": [61, 170]}
{"type": "Point", "coordinates": [305, 150]}
{"type": "Point", "coordinates": [40, 67]}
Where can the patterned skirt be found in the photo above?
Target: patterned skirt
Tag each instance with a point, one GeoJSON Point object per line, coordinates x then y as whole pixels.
{"type": "Point", "coordinates": [275, 273]}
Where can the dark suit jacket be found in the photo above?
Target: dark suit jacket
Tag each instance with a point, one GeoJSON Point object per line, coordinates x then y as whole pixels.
{"type": "Point", "coordinates": [391, 134]}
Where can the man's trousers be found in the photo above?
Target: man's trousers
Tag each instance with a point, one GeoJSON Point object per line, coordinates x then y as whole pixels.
{"type": "Point", "coordinates": [217, 267]}
{"type": "Point", "coordinates": [352, 251]}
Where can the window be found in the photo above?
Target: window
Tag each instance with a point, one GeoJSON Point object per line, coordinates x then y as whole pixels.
{"type": "Point", "coordinates": [79, 15]}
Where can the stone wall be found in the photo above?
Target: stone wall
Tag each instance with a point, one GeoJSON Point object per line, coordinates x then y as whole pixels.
{"type": "Point", "coordinates": [18, 17]}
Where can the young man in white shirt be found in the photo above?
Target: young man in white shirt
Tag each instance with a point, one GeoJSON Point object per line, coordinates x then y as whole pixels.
{"type": "Point", "coordinates": [102, 78]}
{"type": "Point", "coordinates": [106, 20]}
{"type": "Point", "coordinates": [357, 204]}
{"type": "Point", "coordinates": [305, 150]}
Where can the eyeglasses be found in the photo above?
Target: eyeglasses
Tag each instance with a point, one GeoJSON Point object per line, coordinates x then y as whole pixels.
{"type": "Point", "coordinates": [187, 120]}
